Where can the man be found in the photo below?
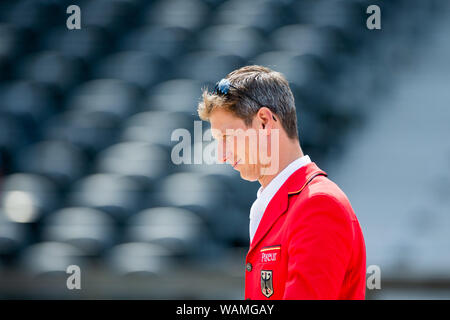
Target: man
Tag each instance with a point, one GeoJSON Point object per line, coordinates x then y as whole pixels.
{"type": "Point", "coordinates": [305, 240]}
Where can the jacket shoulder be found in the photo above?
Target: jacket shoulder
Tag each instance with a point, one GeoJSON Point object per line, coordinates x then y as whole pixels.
{"type": "Point", "coordinates": [322, 194]}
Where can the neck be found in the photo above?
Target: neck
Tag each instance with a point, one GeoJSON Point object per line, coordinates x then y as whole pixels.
{"type": "Point", "coordinates": [293, 152]}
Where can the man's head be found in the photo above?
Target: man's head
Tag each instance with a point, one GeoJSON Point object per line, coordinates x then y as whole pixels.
{"type": "Point", "coordinates": [250, 101]}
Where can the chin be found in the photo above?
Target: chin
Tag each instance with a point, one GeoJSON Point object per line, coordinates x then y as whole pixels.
{"type": "Point", "coordinates": [248, 176]}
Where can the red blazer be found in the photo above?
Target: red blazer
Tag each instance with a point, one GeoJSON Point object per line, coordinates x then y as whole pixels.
{"type": "Point", "coordinates": [308, 245]}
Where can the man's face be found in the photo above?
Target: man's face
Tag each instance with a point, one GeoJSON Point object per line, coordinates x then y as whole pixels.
{"type": "Point", "coordinates": [238, 145]}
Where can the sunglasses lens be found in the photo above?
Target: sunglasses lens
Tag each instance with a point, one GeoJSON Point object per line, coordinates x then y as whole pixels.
{"type": "Point", "coordinates": [222, 87]}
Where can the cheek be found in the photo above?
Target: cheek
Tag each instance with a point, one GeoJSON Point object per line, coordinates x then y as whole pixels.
{"type": "Point", "coordinates": [221, 149]}
{"type": "Point", "coordinates": [240, 150]}
{"type": "Point", "coordinates": [252, 150]}
{"type": "Point", "coordinates": [245, 151]}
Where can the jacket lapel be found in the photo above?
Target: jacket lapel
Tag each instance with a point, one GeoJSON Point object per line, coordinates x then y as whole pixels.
{"type": "Point", "coordinates": [279, 203]}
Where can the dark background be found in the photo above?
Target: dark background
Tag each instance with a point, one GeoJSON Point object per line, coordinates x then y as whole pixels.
{"type": "Point", "coordinates": [86, 117]}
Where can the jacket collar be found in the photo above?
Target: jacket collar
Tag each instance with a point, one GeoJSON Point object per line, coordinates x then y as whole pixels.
{"type": "Point", "coordinates": [279, 203]}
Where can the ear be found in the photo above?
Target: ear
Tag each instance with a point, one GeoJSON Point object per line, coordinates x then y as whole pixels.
{"type": "Point", "coordinates": [266, 118]}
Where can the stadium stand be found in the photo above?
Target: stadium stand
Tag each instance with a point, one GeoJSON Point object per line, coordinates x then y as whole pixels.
{"type": "Point", "coordinates": [86, 119]}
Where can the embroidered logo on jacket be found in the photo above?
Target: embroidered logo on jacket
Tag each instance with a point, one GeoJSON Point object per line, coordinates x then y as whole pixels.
{"type": "Point", "coordinates": [269, 257]}
{"type": "Point", "coordinates": [267, 283]}
{"type": "Point", "coordinates": [270, 253]}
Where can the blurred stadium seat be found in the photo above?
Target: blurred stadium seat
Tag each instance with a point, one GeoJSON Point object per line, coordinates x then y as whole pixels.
{"type": "Point", "coordinates": [187, 14]}
{"type": "Point", "coordinates": [205, 195]}
{"type": "Point", "coordinates": [115, 194]}
{"type": "Point", "coordinates": [139, 160]}
{"type": "Point", "coordinates": [33, 14]}
{"type": "Point", "coordinates": [14, 236]}
{"type": "Point", "coordinates": [181, 231]}
{"type": "Point", "coordinates": [264, 15]}
{"type": "Point", "coordinates": [60, 161]}
{"type": "Point", "coordinates": [89, 130]}
{"type": "Point", "coordinates": [50, 68]}
{"type": "Point", "coordinates": [155, 127]}
{"type": "Point", "coordinates": [108, 96]}
{"type": "Point", "coordinates": [14, 41]}
{"type": "Point", "coordinates": [26, 198]}
{"type": "Point", "coordinates": [116, 15]}
{"type": "Point", "coordinates": [140, 68]}
{"type": "Point", "coordinates": [90, 230]}
{"type": "Point", "coordinates": [27, 100]}
{"type": "Point", "coordinates": [140, 258]}
{"type": "Point", "coordinates": [305, 39]}
{"type": "Point", "coordinates": [207, 67]}
{"type": "Point", "coordinates": [342, 14]}
{"type": "Point", "coordinates": [51, 258]}
{"type": "Point", "coordinates": [11, 126]}
{"type": "Point", "coordinates": [168, 42]}
{"type": "Point", "coordinates": [175, 95]}
{"type": "Point", "coordinates": [233, 39]}
{"type": "Point", "coordinates": [301, 70]}
{"type": "Point", "coordinates": [88, 44]}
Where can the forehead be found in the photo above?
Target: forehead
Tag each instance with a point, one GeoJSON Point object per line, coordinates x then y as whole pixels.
{"type": "Point", "coordinates": [221, 120]}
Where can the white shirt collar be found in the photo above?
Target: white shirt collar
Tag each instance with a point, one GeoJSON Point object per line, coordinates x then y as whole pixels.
{"type": "Point", "coordinates": [265, 195]}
